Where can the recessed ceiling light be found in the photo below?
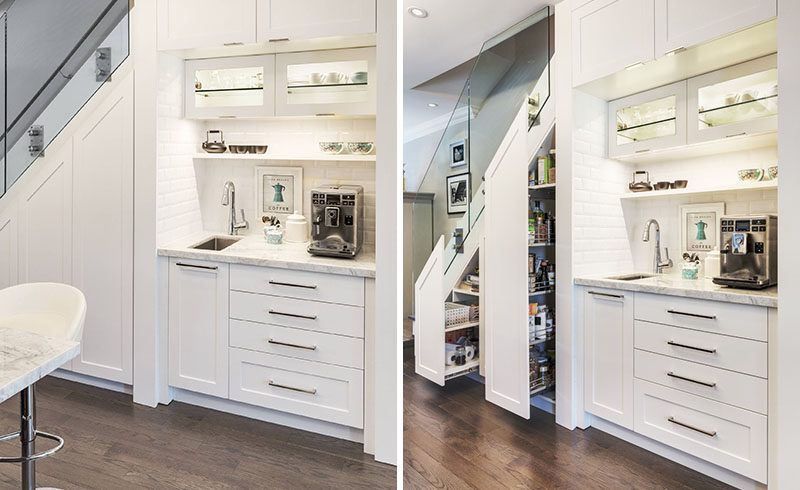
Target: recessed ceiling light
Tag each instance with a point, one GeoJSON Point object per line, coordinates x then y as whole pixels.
{"type": "Point", "coordinates": [433, 104]}
{"type": "Point", "coordinates": [418, 12]}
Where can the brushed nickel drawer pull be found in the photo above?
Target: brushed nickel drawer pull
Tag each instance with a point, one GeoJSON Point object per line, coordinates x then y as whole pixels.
{"type": "Point", "coordinates": [278, 39]}
{"type": "Point", "coordinates": [695, 315]}
{"type": "Point", "coordinates": [618, 296]}
{"type": "Point", "coordinates": [701, 349]}
{"type": "Point", "coordinates": [237, 43]}
{"type": "Point", "coordinates": [286, 344]}
{"type": "Point", "coordinates": [709, 433]}
{"type": "Point", "coordinates": [312, 391]}
{"type": "Point", "coordinates": [194, 266]}
{"type": "Point", "coordinates": [704, 383]}
{"type": "Point", "coordinates": [288, 284]}
{"type": "Point", "coordinates": [293, 315]}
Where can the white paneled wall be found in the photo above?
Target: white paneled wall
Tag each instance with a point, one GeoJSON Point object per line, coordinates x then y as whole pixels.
{"type": "Point", "coordinates": [177, 203]}
{"type": "Point", "coordinates": [600, 237]}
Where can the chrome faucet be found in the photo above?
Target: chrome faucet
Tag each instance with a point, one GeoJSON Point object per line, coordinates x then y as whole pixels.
{"type": "Point", "coordinates": [229, 196]}
{"type": "Point", "coordinates": [658, 265]}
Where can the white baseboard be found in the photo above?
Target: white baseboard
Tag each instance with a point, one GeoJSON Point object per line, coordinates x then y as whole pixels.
{"type": "Point", "coordinates": [680, 457]}
{"type": "Point", "coordinates": [269, 415]}
{"type": "Point", "coordinates": [92, 381]}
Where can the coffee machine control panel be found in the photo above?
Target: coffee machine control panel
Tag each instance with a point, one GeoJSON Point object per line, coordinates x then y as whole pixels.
{"type": "Point", "coordinates": [744, 233]}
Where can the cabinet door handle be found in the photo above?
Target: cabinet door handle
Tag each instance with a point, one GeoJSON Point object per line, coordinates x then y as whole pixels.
{"type": "Point", "coordinates": [288, 284]}
{"type": "Point", "coordinates": [238, 43]}
{"type": "Point", "coordinates": [312, 391]}
{"type": "Point", "coordinates": [607, 295]}
{"type": "Point", "coordinates": [704, 383]}
{"type": "Point", "coordinates": [278, 39]}
{"type": "Point", "coordinates": [297, 346]}
{"type": "Point", "coordinates": [293, 315]}
{"type": "Point", "coordinates": [694, 315]}
{"type": "Point", "coordinates": [325, 114]}
{"type": "Point", "coordinates": [195, 266]}
{"type": "Point", "coordinates": [701, 349]}
{"type": "Point", "coordinates": [709, 433]}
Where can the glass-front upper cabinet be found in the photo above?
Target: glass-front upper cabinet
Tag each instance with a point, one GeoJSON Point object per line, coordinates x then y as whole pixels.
{"type": "Point", "coordinates": [647, 121]}
{"type": "Point", "coordinates": [735, 101]}
{"type": "Point", "coordinates": [230, 87]}
{"type": "Point", "coordinates": [334, 82]}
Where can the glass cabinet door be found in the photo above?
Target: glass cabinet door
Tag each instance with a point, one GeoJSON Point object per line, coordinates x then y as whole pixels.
{"type": "Point", "coordinates": [230, 87]}
{"type": "Point", "coordinates": [336, 82]}
{"type": "Point", "coordinates": [648, 120]}
{"type": "Point", "coordinates": [734, 101]}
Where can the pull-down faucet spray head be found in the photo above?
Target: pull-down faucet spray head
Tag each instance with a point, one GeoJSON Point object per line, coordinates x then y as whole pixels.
{"type": "Point", "coordinates": [227, 192]}
{"type": "Point", "coordinates": [646, 232]}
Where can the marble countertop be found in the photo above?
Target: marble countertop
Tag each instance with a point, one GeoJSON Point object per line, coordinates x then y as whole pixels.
{"type": "Point", "coordinates": [253, 250]}
{"type": "Point", "coordinates": [675, 285]}
{"type": "Point", "coordinates": [27, 357]}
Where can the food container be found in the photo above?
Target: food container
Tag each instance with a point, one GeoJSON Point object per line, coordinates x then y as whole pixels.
{"type": "Point", "coordinates": [331, 147]}
{"type": "Point", "coordinates": [296, 228]}
{"type": "Point", "coordinates": [751, 174]}
{"type": "Point", "coordinates": [711, 264]}
{"type": "Point", "coordinates": [274, 235]}
{"type": "Point", "coordinates": [362, 148]}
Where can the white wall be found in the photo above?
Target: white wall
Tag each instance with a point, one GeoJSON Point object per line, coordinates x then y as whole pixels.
{"type": "Point", "coordinates": [417, 154]}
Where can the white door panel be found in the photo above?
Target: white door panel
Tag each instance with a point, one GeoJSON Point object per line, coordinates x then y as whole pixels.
{"type": "Point", "coordinates": [429, 318]}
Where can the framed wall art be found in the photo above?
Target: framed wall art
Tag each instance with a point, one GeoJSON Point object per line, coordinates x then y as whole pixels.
{"type": "Point", "coordinates": [458, 193]}
{"type": "Point", "coordinates": [279, 191]}
{"type": "Point", "coordinates": [700, 226]}
{"type": "Point", "coordinates": [459, 153]}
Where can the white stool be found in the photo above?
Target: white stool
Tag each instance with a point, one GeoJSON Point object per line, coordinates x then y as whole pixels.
{"type": "Point", "coordinates": [52, 310]}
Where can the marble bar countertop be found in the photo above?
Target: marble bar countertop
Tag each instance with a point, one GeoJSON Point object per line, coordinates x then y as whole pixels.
{"type": "Point", "coordinates": [27, 357]}
{"type": "Point", "coordinates": [254, 250]}
{"type": "Point", "coordinates": [675, 285]}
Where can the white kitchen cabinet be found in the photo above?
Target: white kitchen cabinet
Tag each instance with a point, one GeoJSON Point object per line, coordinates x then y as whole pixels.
{"type": "Point", "coordinates": [609, 36]}
{"type": "Point", "coordinates": [735, 101]}
{"type": "Point", "coordinates": [198, 326]}
{"type": "Point", "coordinates": [283, 20]}
{"type": "Point", "coordinates": [186, 24]}
{"type": "Point", "coordinates": [333, 82]}
{"type": "Point", "coordinates": [608, 355]}
{"type": "Point", "coordinates": [242, 86]}
{"type": "Point", "coordinates": [650, 120]}
{"type": "Point", "coordinates": [45, 244]}
{"type": "Point", "coordinates": [504, 276]}
{"type": "Point", "coordinates": [686, 23]}
{"type": "Point", "coordinates": [102, 258]}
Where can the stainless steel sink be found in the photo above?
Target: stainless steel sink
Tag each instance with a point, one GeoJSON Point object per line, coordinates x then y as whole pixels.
{"type": "Point", "coordinates": [216, 243]}
{"type": "Point", "coordinates": [631, 277]}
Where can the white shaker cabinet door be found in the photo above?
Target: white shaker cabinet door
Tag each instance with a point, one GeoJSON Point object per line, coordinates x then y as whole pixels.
{"type": "Point", "coordinates": [283, 20]}
{"type": "Point", "coordinates": [609, 36]}
{"type": "Point", "coordinates": [102, 260]}
{"type": "Point", "coordinates": [504, 276]}
{"type": "Point", "coordinates": [187, 24]}
{"type": "Point", "coordinates": [429, 318]}
{"type": "Point", "coordinates": [198, 326]}
{"type": "Point", "coordinates": [608, 355]}
{"type": "Point", "coordinates": [686, 23]}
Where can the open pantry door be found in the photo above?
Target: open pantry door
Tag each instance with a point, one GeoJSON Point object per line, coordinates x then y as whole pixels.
{"type": "Point", "coordinates": [429, 317]}
{"type": "Point", "coordinates": [504, 275]}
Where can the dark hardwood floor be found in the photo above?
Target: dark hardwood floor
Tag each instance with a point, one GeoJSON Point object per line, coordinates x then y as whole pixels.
{"type": "Point", "coordinates": [453, 438]}
{"type": "Point", "coordinates": [112, 443]}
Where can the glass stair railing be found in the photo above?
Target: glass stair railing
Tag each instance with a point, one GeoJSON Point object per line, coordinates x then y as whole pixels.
{"type": "Point", "coordinates": [55, 55]}
{"type": "Point", "coordinates": [511, 68]}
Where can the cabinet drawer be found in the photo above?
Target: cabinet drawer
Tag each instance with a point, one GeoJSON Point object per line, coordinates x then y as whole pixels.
{"type": "Point", "coordinates": [331, 288]}
{"type": "Point", "coordinates": [736, 389]}
{"type": "Point", "coordinates": [298, 313]}
{"type": "Point", "coordinates": [302, 344]}
{"type": "Point", "coordinates": [307, 388]}
{"type": "Point", "coordinates": [745, 321]}
{"type": "Point", "coordinates": [739, 355]}
{"type": "Point", "coordinates": [730, 437]}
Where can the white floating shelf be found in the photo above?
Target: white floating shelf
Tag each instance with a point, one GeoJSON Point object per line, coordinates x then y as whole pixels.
{"type": "Point", "coordinates": [739, 186]}
{"type": "Point", "coordinates": [278, 156]}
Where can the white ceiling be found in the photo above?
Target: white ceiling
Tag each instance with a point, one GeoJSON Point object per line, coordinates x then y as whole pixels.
{"type": "Point", "coordinates": [452, 34]}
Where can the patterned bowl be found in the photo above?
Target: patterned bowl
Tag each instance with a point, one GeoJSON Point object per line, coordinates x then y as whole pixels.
{"type": "Point", "coordinates": [331, 147]}
{"type": "Point", "coordinates": [773, 172]}
{"type": "Point", "coordinates": [751, 174]}
{"type": "Point", "coordinates": [362, 148]}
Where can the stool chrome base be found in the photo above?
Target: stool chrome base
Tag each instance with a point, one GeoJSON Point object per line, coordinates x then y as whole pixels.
{"type": "Point", "coordinates": [27, 436]}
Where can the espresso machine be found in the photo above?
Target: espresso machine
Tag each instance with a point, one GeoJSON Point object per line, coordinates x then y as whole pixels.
{"type": "Point", "coordinates": [748, 252]}
{"type": "Point", "coordinates": [337, 220]}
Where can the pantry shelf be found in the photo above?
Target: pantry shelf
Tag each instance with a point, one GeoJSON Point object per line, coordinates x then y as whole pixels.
{"type": "Point", "coordinates": [467, 292]}
{"type": "Point", "coordinates": [454, 371]}
{"type": "Point", "coordinates": [461, 326]}
{"type": "Point", "coordinates": [286, 156]}
{"type": "Point", "coordinates": [541, 186]}
{"type": "Point", "coordinates": [739, 186]}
